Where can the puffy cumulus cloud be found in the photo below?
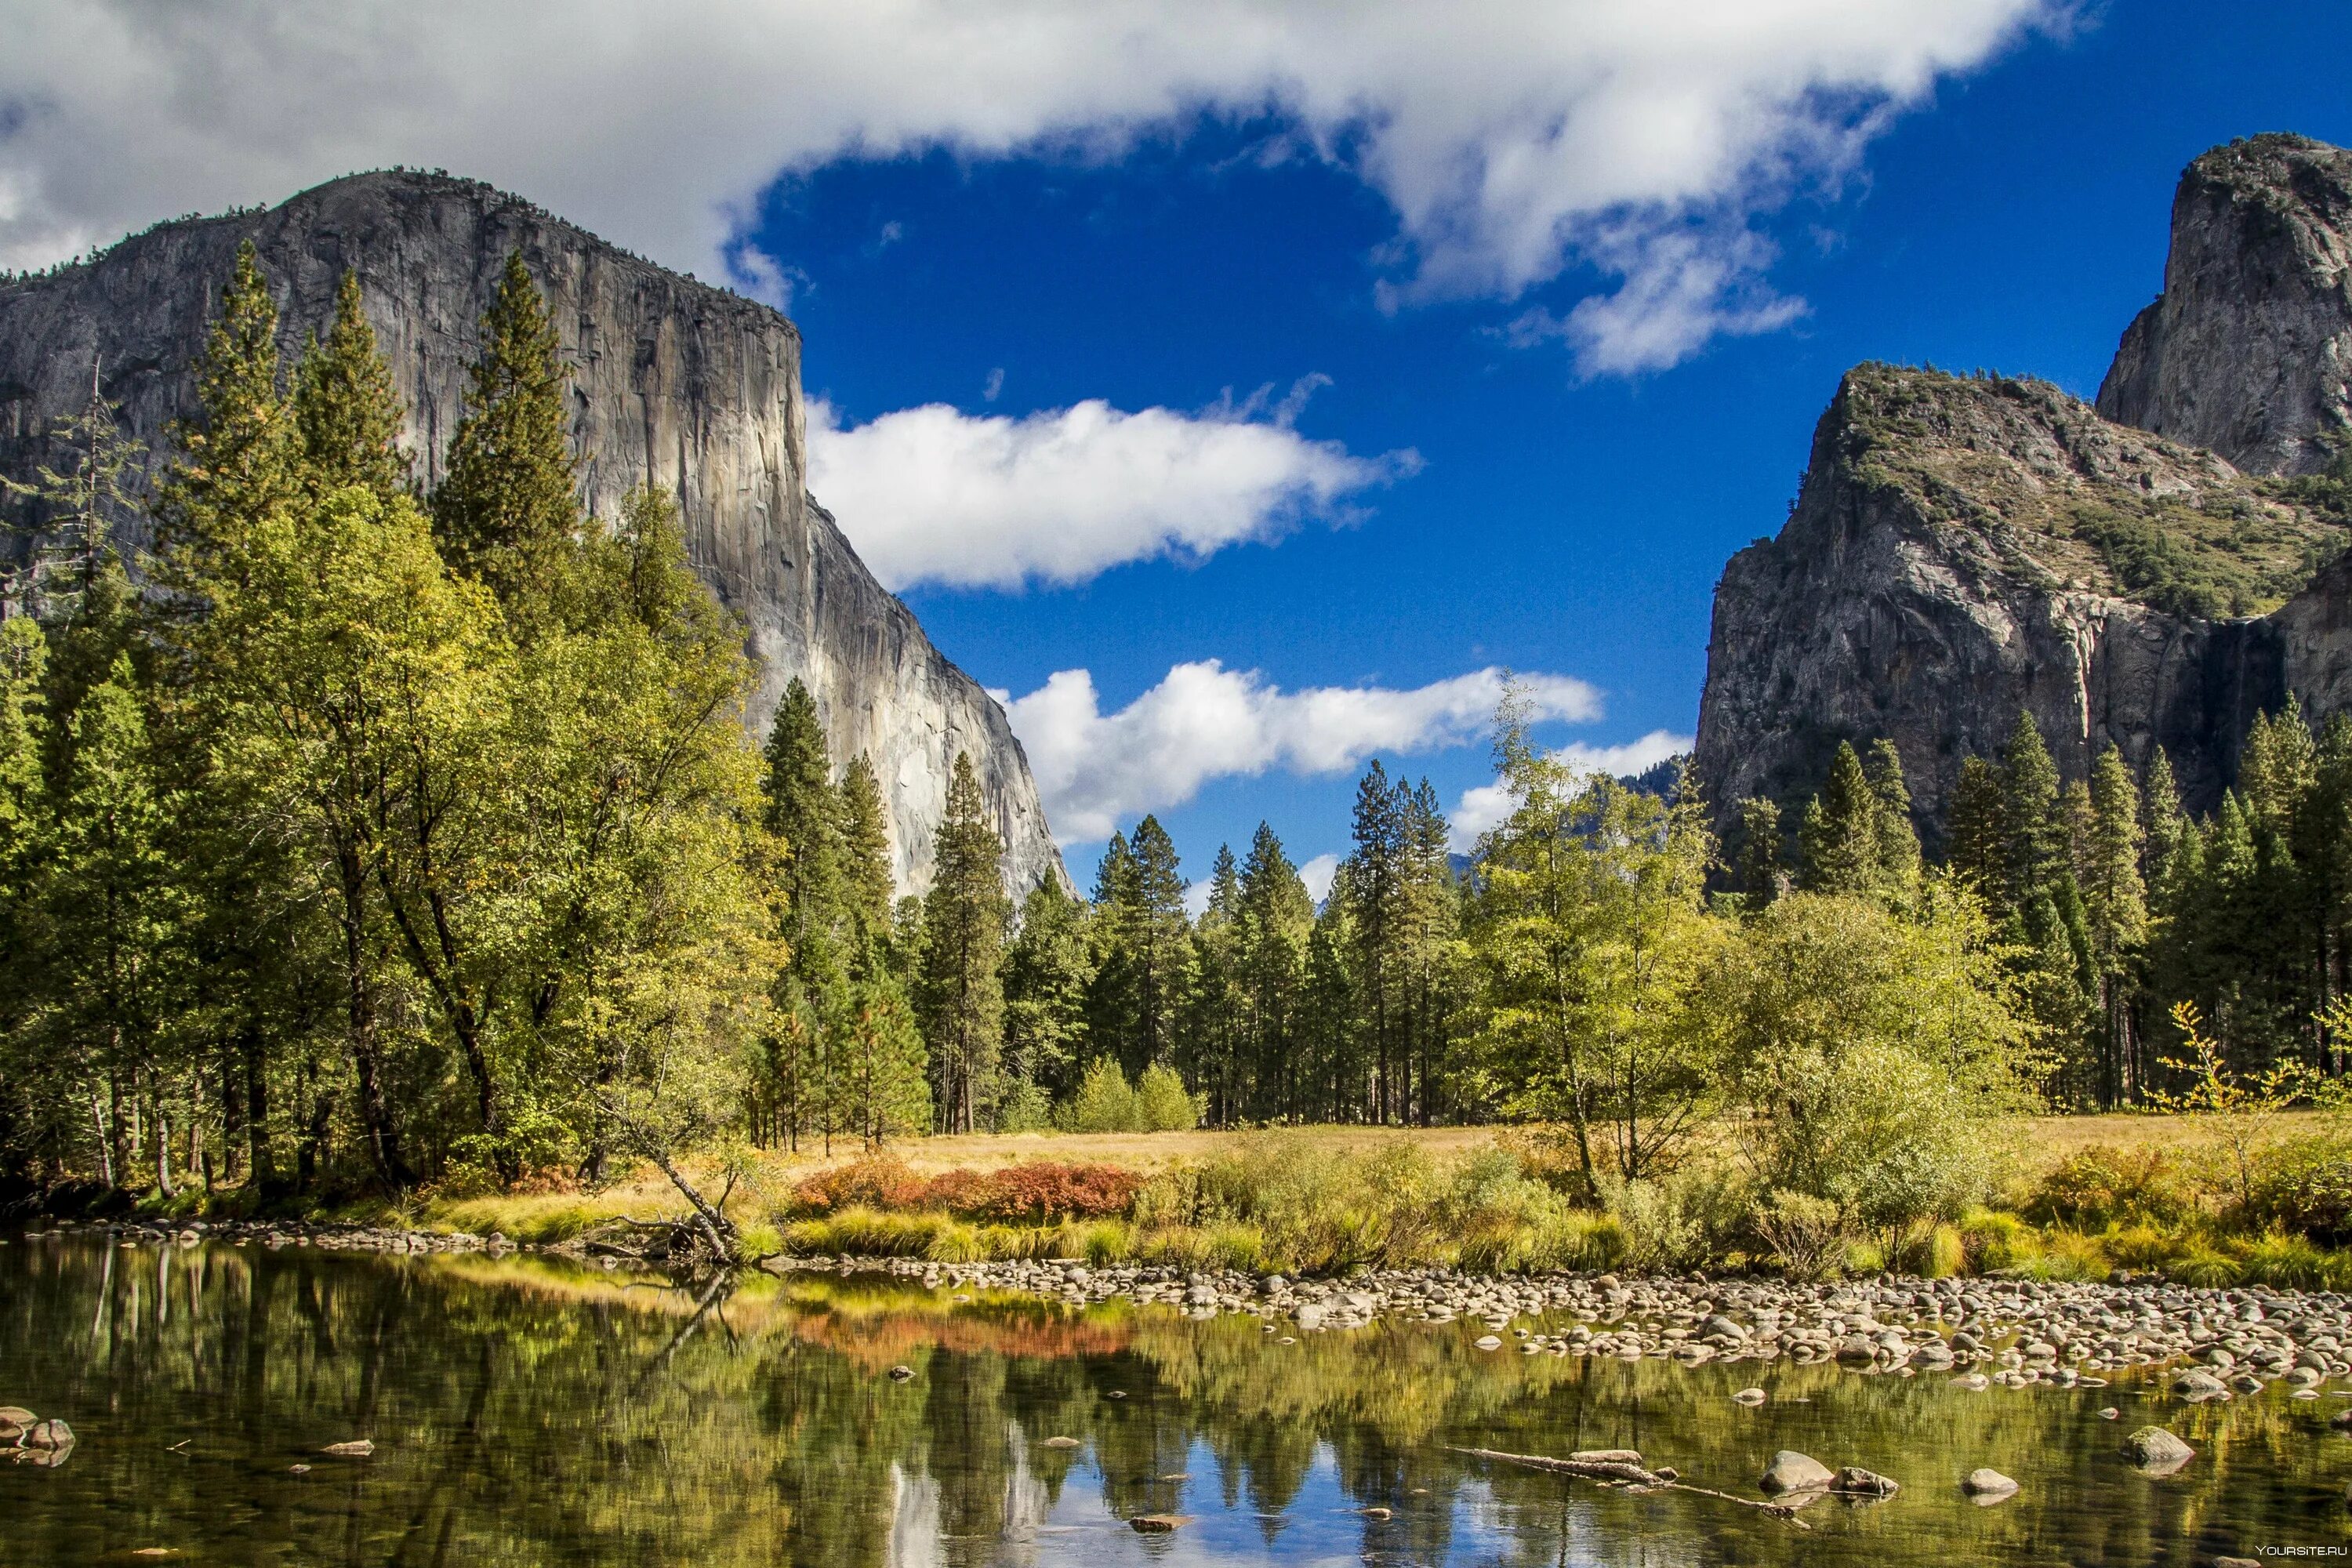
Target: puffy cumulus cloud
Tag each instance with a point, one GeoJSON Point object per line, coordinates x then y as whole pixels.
{"type": "Point", "coordinates": [933, 495]}
{"type": "Point", "coordinates": [1318, 874]}
{"type": "Point", "coordinates": [1485, 806]}
{"type": "Point", "coordinates": [1509, 137]}
{"type": "Point", "coordinates": [1204, 721]}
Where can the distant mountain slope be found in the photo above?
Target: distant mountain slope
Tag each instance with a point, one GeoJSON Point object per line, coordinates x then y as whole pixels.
{"type": "Point", "coordinates": [677, 382]}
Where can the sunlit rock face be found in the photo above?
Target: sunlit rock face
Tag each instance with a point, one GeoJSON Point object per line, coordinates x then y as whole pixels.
{"type": "Point", "coordinates": [2249, 348]}
{"type": "Point", "coordinates": [676, 383]}
{"type": "Point", "coordinates": [2136, 575]}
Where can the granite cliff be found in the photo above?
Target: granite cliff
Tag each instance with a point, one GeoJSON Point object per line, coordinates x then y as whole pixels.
{"type": "Point", "coordinates": [675, 382]}
{"type": "Point", "coordinates": [2146, 572]}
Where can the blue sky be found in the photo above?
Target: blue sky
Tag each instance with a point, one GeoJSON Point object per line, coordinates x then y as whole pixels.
{"type": "Point", "coordinates": [1236, 384]}
{"type": "Point", "coordinates": [1561, 521]}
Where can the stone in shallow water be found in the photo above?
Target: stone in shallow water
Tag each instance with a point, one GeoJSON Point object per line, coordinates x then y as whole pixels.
{"type": "Point", "coordinates": [1988, 1485]}
{"type": "Point", "coordinates": [1060, 1443]}
{"type": "Point", "coordinates": [360, 1449]}
{"type": "Point", "coordinates": [1157, 1524]}
{"type": "Point", "coordinates": [1748, 1396]}
{"type": "Point", "coordinates": [1488, 1342]}
{"type": "Point", "coordinates": [2157, 1451]}
{"type": "Point", "coordinates": [1790, 1471]}
{"type": "Point", "coordinates": [1855, 1482]}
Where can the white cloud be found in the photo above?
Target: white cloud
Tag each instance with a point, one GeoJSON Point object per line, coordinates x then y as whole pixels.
{"type": "Point", "coordinates": [1509, 137]}
{"type": "Point", "coordinates": [1318, 874]}
{"type": "Point", "coordinates": [1484, 807]}
{"type": "Point", "coordinates": [1204, 721]}
{"type": "Point", "coordinates": [934, 495]}
{"type": "Point", "coordinates": [993, 387]}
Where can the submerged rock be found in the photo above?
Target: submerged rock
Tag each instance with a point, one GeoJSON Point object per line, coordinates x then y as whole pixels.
{"type": "Point", "coordinates": [361, 1449]}
{"type": "Point", "coordinates": [1855, 1482]}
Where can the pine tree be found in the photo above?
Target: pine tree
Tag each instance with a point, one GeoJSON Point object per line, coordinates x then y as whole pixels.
{"type": "Point", "coordinates": [238, 462]}
{"type": "Point", "coordinates": [2030, 814]}
{"type": "Point", "coordinates": [1113, 1028]}
{"type": "Point", "coordinates": [803, 811]}
{"type": "Point", "coordinates": [2116, 900]}
{"type": "Point", "coordinates": [1209, 1040]}
{"type": "Point", "coordinates": [1977, 833]}
{"type": "Point", "coordinates": [1896, 839]}
{"type": "Point", "coordinates": [345, 407]}
{"type": "Point", "coordinates": [1276, 916]}
{"type": "Point", "coordinates": [868, 888]}
{"type": "Point", "coordinates": [1156, 932]}
{"type": "Point", "coordinates": [962, 1000]}
{"type": "Point", "coordinates": [1046, 971]}
{"type": "Point", "coordinates": [508, 501]}
{"type": "Point", "coordinates": [1758, 870]}
{"type": "Point", "coordinates": [1374, 876]}
{"type": "Point", "coordinates": [112, 914]}
{"type": "Point", "coordinates": [2163, 823]}
{"type": "Point", "coordinates": [885, 1086]}
{"type": "Point", "coordinates": [1839, 837]}
{"type": "Point", "coordinates": [78, 508]}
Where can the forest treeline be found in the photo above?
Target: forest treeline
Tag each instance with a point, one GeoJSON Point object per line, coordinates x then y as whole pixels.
{"type": "Point", "coordinates": [369, 834]}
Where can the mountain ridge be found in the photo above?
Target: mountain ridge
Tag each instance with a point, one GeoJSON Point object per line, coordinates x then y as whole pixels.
{"type": "Point", "coordinates": [675, 383]}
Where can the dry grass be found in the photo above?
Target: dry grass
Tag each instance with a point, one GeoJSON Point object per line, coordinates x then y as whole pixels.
{"type": "Point", "coordinates": [2034, 1145]}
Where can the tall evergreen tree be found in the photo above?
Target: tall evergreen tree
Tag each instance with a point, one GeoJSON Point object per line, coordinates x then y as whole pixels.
{"type": "Point", "coordinates": [1155, 932]}
{"type": "Point", "coordinates": [869, 889]}
{"type": "Point", "coordinates": [508, 501]}
{"type": "Point", "coordinates": [1839, 835]}
{"type": "Point", "coordinates": [1758, 869]}
{"type": "Point", "coordinates": [1276, 917]}
{"type": "Point", "coordinates": [1047, 968]}
{"type": "Point", "coordinates": [1977, 833]}
{"type": "Point", "coordinates": [962, 1000]}
{"type": "Point", "coordinates": [2116, 900]}
{"type": "Point", "coordinates": [2030, 814]}
{"type": "Point", "coordinates": [346, 410]}
{"type": "Point", "coordinates": [1896, 839]}
{"type": "Point", "coordinates": [1375, 881]}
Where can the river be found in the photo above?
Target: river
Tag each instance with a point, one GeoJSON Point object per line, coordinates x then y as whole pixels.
{"type": "Point", "coordinates": [527, 1411]}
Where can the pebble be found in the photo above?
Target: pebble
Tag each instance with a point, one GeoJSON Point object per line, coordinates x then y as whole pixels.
{"type": "Point", "coordinates": [2154, 1450]}
{"type": "Point", "coordinates": [1988, 1485]}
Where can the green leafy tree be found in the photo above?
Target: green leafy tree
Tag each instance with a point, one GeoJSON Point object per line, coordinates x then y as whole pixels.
{"type": "Point", "coordinates": [1591, 936]}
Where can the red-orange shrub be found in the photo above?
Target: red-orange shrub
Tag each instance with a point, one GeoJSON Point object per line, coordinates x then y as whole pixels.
{"type": "Point", "coordinates": [875, 1181]}
{"type": "Point", "coordinates": [1048, 1190]}
{"type": "Point", "coordinates": [1035, 1193]}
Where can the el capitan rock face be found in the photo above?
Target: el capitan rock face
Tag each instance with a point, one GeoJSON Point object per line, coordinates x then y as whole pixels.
{"type": "Point", "coordinates": [2249, 348]}
{"type": "Point", "coordinates": [675, 382]}
{"type": "Point", "coordinates": [2134, 574]}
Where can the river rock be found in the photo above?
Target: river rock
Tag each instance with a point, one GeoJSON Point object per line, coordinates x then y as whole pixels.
{"type": "Point", "coordinates": [1488, 1342]}
{"type": "Point", "coordinates": [2199, 1386]}
{"type": "Point", "coordinates": [1311, 1315]}
{"type": "Point", "coordinates": [1748, 1396]}
{"type": "Point", "coordinates": [1157, 1523]}
{"type": "Point", "coordinates": [1855, 1482]}
{"type": "Point", "coordinates": [49, 1434]}
{"type": "Point", "coordinates": [1790, 1471]}
{"type": "Point", "coordinates": [361, 1449]}
{"type": "Point", "coordinates": [1988, 1485]}
{"type": "Point", "coordinates": [1059, 1442]}
{"type": "Point", "coordinates": [902, 1373]}
{"type": "Point", "coordinates": [2153, 1448]}
{"type": "Point", "coordinates": [15, 1421]}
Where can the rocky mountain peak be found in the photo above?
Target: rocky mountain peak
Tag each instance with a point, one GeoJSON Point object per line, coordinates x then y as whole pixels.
{"type": "Point", "coordinates": [675, 384]}
{"type": "Point", "coordinates": [2249, 350]}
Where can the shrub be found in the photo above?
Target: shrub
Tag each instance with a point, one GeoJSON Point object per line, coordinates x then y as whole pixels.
{"type": "Point", "coordinates": [1104, 1102]}
{"type": "Point", "coordinates": [875, 1181]}
{"type": "Point", "coordinates": [2102, 1186]}
{"type": "Point", "coordinates": [1805, 1234]}
{"type": "Point", "coordinates": [2305, 1188]}
{"type": "Point", "coordinates": [1679, 1220]}
{"type": "Point", "coordinates": [1993, 1241]}
{"type": "Point", "coordinates": [1161, 1105]}
{"type": "Point", "coordinates": [1044, 1190]}
{"type": "Point", "coordinates": [1023, 1108]}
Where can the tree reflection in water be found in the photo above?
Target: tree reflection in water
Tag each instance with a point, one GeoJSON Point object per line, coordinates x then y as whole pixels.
{"type": "Point", "coordinates": [528, 1412]}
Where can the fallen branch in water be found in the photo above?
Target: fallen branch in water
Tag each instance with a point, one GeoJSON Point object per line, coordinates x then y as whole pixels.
{"type": "Point", "coordinates": [1609, 1465]}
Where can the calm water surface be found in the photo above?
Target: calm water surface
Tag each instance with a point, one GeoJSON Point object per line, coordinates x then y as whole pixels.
{"type": "Point", "coordinates": [525, 1413]}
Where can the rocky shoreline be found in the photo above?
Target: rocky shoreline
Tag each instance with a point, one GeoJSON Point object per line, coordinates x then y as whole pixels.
{"type": "Point", "coordinates": [1987, 1332]}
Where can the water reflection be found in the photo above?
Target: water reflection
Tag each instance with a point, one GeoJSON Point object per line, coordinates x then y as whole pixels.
{"type": "Point", "coordinates": [528, 1413]}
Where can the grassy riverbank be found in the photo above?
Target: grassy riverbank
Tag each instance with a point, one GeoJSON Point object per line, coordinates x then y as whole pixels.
{"type": "Point", "coordinates": [2201, 1198]}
